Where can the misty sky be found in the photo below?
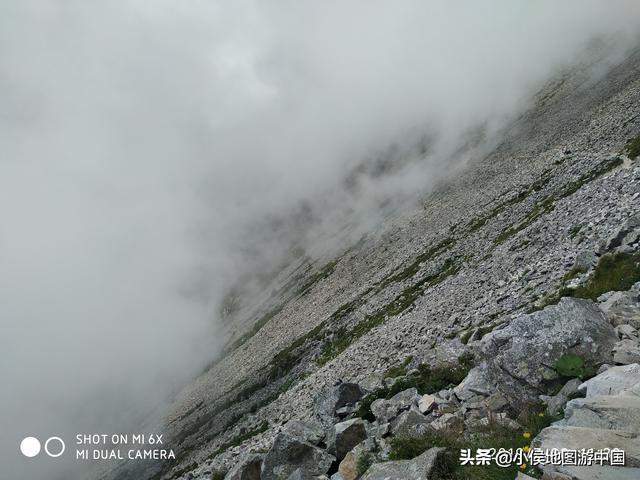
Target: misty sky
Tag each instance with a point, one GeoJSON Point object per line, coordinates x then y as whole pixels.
{"type": "Point", "coordinates": [142, 140]}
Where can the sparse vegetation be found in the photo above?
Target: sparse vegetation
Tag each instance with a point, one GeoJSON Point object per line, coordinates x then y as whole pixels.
{"type": "Point", "coordinates": [241, 438]}
{"type": "Point", "coordinates": [533, 419]}
{"type": "Point", "coordinates": [633, 148]}
{"type": "Point", "coordinates": [614, 272]}
{"type": "Point", "coordinates": [572, 365]}
{"type": "Point", "coordinates": [185, 469]}
{"type": "Point", "coordinates": [345, 337]}
{"type": "Point", "coordinates": [416, 265]}
{"type": "Point", "coordinates": [479, 332]}
{"type": "Point", "coordinates": [573, 231]}
{"type": "Point", "coordinates": [575, 272]}
{"type": "Point", "coordinates": [398, 370]}
{"type": "Point", "coordinates": [541, 208]}
{"type": "Point", "coordinates": [321, 274]}
{"type": "Point", "coordinates": [289, 357]}
{"type": "Point", "coordinates": [218, 475]}
{"type": "Point", "coordinates": [364, 462]}
{"type": "Point", "coordinates": [426, 380]}
{"type": "Point", "coordinates": [261, 322]}
{"type": "Point", "coordinates": [548, 204]}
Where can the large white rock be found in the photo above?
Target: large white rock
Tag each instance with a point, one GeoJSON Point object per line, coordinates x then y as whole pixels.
{"type": "Point", "coordinates": [613, 381]}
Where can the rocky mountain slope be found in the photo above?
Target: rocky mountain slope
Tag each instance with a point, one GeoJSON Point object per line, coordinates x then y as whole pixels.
{"type": "Point", "coordinates": [447, 300]}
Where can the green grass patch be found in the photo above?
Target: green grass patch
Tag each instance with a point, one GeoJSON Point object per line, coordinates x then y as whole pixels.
{"type": "Point", "coordinates": [290, 356]}
{"type": "Point", "coordinates": [365, 460]}
{"type": "Point", "coordinates": [183, 470]}
{"type": "Point", "coordinates": [426, 380]}
{"type": "Point", "coordinates": [416, 265]}
{"type": "Point", "coordinates": [575, 272]}
{"type": "Point", "coordinates": [398, 370]}
{"type": "Point", "coordinates": [218, 475]}
{"type": "Point", "coordinates": [491, 436]}
{"type": "Point", "coordinates": [614, 272]}
{"type": "Point", "coordinates": [541, 208]}
{"type": "Point", "coordinates": [321, 274]}
{"type": "Point", "coordinates": [633, 148]}
{"type": "Point", "coordinates": [573, 366]}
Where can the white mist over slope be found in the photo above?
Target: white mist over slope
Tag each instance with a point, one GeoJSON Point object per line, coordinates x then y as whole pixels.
{"type": "Point", "coordinates": [141, 141]}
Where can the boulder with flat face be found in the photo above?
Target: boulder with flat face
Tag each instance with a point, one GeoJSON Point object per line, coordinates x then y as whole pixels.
{"type": "Point", "coordinates": [409, 424]}
{"type": "Point", "coordinates": [333, 399]}
{"type": "Point", "coordinates": [520, 359]}
{"type": "Point", "coordinates": [307, 431]}
{"type": "Point", "coordinates": [289, 454]}
{"type": "Point", "coordinates": [613, 381]}
{"type": "Point", "coordinates": [423, 467]}
{"type": "Point", "coordinates": [343, 436]}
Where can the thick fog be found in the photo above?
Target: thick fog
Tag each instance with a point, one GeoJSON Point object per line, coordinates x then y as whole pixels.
{"type": "Point", "coordinates": [146, 147]}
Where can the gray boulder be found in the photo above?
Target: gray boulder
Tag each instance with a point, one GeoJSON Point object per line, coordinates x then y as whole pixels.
{"type": "Point", "coordinates": [626, 351]}
{"type": "Point", "coordinates": [578, 438]}
{"type": "Point", "coordinates": [335, 398]}
{"type": "Point", "coordinates": [520, 358]}
{"type": "Point", "coordinates": [248, 468]}
{"type": "Point", "coordinates": [344, 436]}
{"type": "Point", "coordinates": [307, 431]}
{"type": "Point", "coordinates": [622, 307]}
{"type": "Point", "coordinates": [627, 332]}
{"type": "Point", "coordinates": [478, 381]}
{"type": "Point", "coordinates": [386, 410]}
{"type": "Point", "coordinates": [610, 412]}
{"type": "Point", "coordinates": [300, 474]}
{"type": "Point", "coordinates": [423, 467]}
{"type": "Point", "coordinates": [624, 239]}
{"type": "Point", "coordinates": [409, 424]}
{"type": "Point", "coordinates": [289, 454]}
{"type": "Point", "coordinates": [613, 381]}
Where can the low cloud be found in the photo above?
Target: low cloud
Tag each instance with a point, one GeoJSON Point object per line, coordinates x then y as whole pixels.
{"type": "Point", "coordinates": [150, 150]}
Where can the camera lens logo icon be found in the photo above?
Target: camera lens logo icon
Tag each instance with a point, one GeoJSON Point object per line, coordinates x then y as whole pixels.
{"type": "Point", "coordinates": [54, 447]}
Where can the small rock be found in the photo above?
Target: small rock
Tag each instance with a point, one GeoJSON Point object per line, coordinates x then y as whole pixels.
{"type": "Point", "coordinates": [524, 476]}
{"type": "Point", "coordinates": [585, 260]}
{"type": "Point", "coordinates": [626, 352]}
{"type": "Point", "coordinates": [626, 331]}
{"type": "Point", "coordinates": [427, 403]}
{"type": "Point", "coordinates": [348, 467]}
{"type": "Point", "coordinates": [623, 307]}
{"type": "Point", "coordinates": [496, 402]}
{"type": "Point", "coordinates": [446, 422]}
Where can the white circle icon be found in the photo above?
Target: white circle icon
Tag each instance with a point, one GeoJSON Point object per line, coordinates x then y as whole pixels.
{"type": "Point", "coordinates": [46, 447]}
{"type": "Point", "coordinates": [30, 447]}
